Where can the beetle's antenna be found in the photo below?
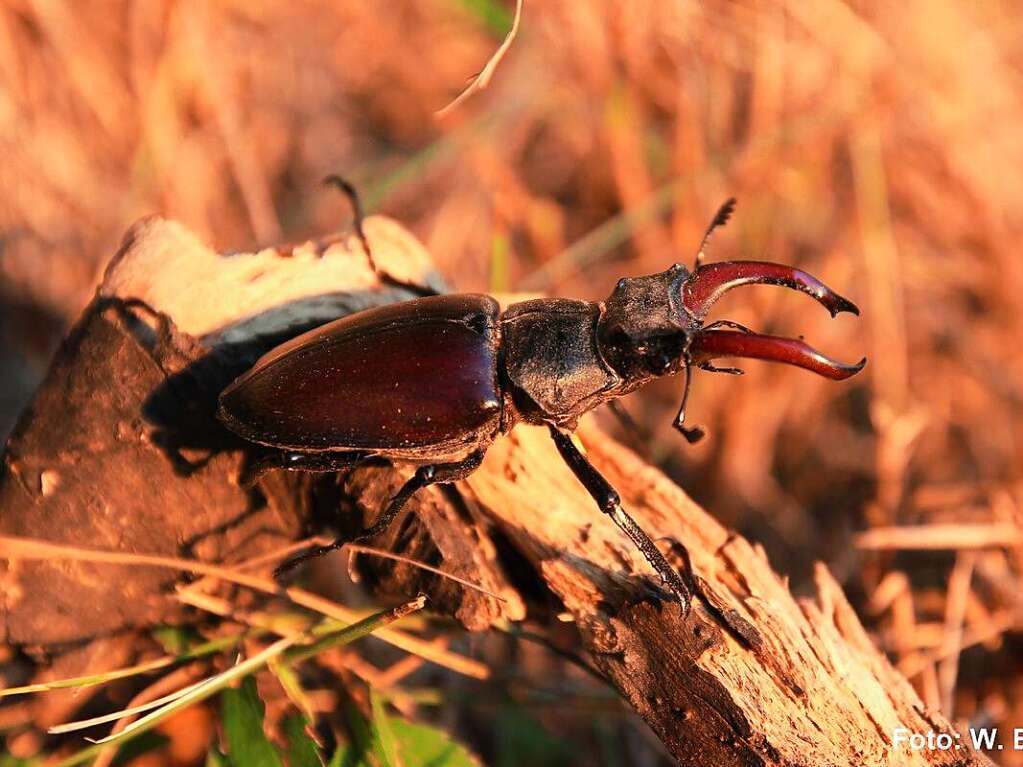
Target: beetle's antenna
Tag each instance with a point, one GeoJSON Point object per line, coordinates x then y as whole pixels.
{"type": "Point", "coordinates": [692, 434]}
{"type": "Point", "coordinates": [720, 219]}
{"type": "Point", "coordinates": [348, 190]}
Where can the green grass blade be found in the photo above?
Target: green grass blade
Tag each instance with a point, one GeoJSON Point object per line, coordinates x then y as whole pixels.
{"type": "Point", "coordinates": [385, 747]}
{"type": "Point", "coordinates": [242, 716]}
{"type": "Point", "coordinates": [302, 749]}
{"type": "Point", "coordinates": [216, 759]}
{"type": "Point", "coordinates": [353, 632]}
{"type": "Point", "coordinates": [83, 724]}
{"type": "Point", "coordinates": [209, 648]}
{"type": "Point", "coordinates": [495, 17]}
{"type": "Point", "coordinates": [219, 682]}
{"type": "Point", "coordinates": [500, 268]}
{"type": "Point", "coordinates": [426, 746]}
{"type": "Point", "coordinates": [292, 687]}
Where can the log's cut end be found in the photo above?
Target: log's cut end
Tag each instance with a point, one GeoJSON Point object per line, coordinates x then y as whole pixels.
{"type": "Point", "coordinates": [121, 450]}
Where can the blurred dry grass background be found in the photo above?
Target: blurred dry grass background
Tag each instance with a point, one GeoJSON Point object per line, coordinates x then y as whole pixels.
{"type": "Point", "coordinates": [877, 145]}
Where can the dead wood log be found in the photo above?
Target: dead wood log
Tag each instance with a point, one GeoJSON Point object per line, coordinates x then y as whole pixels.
{"type": "Point", "coordinates": [120, 450]}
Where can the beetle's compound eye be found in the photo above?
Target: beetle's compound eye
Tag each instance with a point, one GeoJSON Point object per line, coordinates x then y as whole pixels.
{"type": "Point", "coordinates": [619, 340]}
{"type": "Point", "coordinates": [659, 363]}
{"type": "Point", "coordinates": [661, 354]}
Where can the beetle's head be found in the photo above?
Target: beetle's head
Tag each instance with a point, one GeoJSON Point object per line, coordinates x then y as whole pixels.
{"type": "Point", "coordinates": [655, 325]}
{"type": "Point", "coordinates": [644, 330]}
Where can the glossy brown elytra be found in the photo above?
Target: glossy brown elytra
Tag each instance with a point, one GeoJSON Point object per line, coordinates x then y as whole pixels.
{"type": "Point", "coordinates": [435, 380]}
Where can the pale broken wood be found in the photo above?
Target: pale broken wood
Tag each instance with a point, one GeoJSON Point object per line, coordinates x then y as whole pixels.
{"type": "Point", "coordinates": [811, 688]}
{"type": "Point", "coordinates": [754, 676]}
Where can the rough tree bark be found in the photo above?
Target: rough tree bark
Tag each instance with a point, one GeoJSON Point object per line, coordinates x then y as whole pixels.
{"type": "Point", "coordinates": [120, 451]}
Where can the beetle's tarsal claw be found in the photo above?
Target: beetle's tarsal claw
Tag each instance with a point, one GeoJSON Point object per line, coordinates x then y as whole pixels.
{"type": "Point", "coordinates": [713, 344]}
{"type": "Point", "coordinates": [692, 434]}
{"type": "Point", "coordinates": [710, 368]}
{"type": "Point", "coordinates": [711, 281]}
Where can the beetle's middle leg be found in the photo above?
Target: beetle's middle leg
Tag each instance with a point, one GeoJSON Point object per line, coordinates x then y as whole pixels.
{"type": "Point", "coordinates": [610, 503]}
{"type": "Point", "coordinates": [431, 474]}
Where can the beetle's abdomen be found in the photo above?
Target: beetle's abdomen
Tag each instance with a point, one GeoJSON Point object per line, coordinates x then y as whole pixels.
{"type": "Point", "coordinates": [419, 374]}
{"type": "Point", "coordinates": [551, 359]}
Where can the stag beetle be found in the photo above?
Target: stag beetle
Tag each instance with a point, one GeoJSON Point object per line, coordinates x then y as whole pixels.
{"type": "Point", "coordinates": [435, 380]}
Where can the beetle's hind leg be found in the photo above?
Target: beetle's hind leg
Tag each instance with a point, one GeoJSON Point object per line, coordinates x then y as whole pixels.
{"type": "Point", "coordinates": [431, 474]}
{"type": "Point", "coordinates": [610, 503]}
{"type": "Point", "coordinates": [296, 461]}
{"type": "Point", "coordinates": [347, 188]}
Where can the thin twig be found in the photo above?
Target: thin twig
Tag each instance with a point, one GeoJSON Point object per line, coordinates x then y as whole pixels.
{"type": "Point", "coordinates": [131, 710]}
{"type": "Point", "coordinates": [482, 80]}
{"type": "Point", "coordinates": [954, 537]}
{"type": "Point", "coordinates": [155, 690]}
{"type": "Point", "coordinates": [955, 613]}
{"type": "Point", "coordinates": [208, 648]}
{"type": "Point", "coordinates": [357, 548]}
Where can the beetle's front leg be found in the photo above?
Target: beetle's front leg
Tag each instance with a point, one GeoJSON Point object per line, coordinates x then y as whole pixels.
{"type": "Point", "coordinates": [610, 503]}
{"type": "Point", "coordinates": [431, 474]}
